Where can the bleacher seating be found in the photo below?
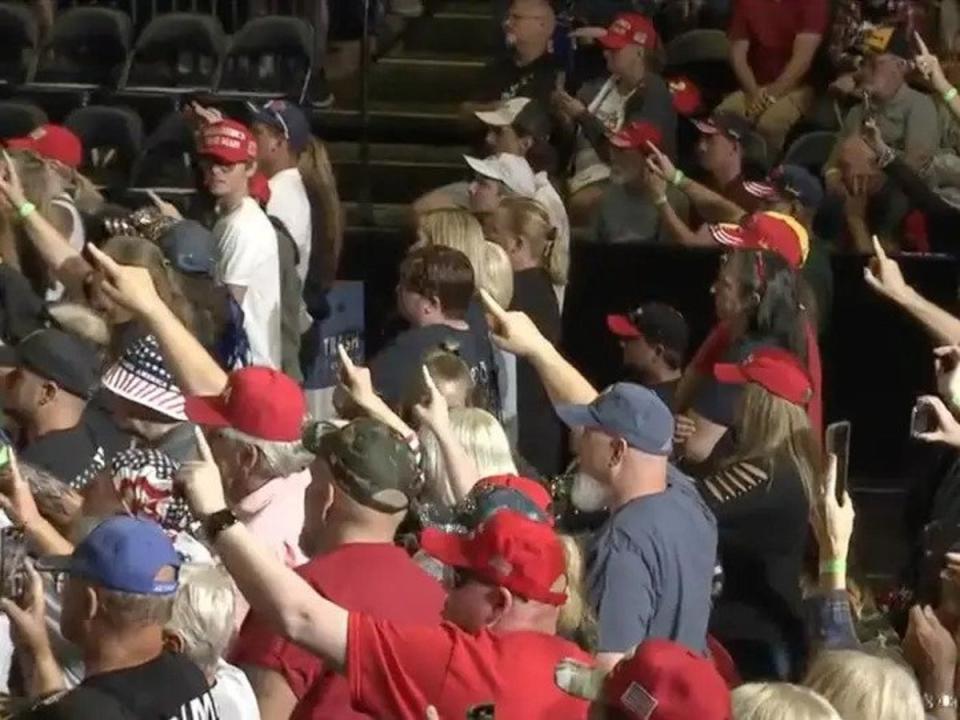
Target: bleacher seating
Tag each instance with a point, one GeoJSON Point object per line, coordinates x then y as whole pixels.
{"type": "Point", "coordinates": [88, 47]}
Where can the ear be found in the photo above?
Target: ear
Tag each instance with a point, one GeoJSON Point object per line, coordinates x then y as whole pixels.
{"type": "Point", "coordinates": [173, 642]}
{"type": "Point", "coordinates": [501, 600]}
{"type": "Point", "coordinates": [247, 456]}
{"type": "Point", "coordinates": [48, 392]}
{"type": "Point", "coordinates": [525, 144]}
{"type": "Point", "coordinates": [91, 603]}
{"type": "Point", "coordinates": [618, 448]}
{"type": "Point", "coordinates": [433, 304]}
{"type": "Point", "coordinates": [251, 169]}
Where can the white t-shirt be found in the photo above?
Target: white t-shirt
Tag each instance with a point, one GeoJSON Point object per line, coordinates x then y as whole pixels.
{"type": "Point", "coordinates": [233, 694]}
{"type": "Point", "coordinates": [289, 204]}
{"type": "Point", "coordinates": [247, 256]}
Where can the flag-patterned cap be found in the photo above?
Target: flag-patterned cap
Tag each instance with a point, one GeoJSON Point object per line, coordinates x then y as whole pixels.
{"type": "Point", "coordinates": [141, 377]}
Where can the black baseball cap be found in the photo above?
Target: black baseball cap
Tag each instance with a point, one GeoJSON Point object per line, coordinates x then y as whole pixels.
{"type": "Point", "coordinates": [656, 322]}
{"type": "Point", "coordinates": [372, 463]}
{"type": "Point", "coordinates": [734, 126]}
{"type": "Point", "coordinates": [888, 40]}
{"type": "Point", "coordinates": [67, 360]}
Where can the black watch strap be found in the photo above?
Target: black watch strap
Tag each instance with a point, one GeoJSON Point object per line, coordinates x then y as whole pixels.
{"type": "Point", "coordinates": [216, 523]}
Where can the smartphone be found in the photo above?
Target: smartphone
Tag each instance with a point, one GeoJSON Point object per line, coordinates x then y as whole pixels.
{"type": "Point", "coordinates": [923, 419]}
{"type": "Point", "coordinates": [13, 554]}
{"type": "Point", "coordinates": [837, 442]}
{"type": "Point", "coordinates": [481, 712]}
{"type": "Point", "coordinates": [4, 456]}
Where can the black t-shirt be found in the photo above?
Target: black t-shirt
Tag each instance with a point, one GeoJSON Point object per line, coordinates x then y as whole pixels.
{"type": "Point", "coordinates": [397, 367]}
{"type": "Point", "coordinates": [503, 79]}
{"type": "Point", "coordinates": [762, 514]}
{"type": "Point", "coordinates": [170, 686]}
{"type": "Point", "coordinates": [539, 432]}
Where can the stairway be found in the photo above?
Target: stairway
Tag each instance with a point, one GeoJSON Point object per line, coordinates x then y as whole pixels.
{"type": "Point", "coordinates": [416, 141]}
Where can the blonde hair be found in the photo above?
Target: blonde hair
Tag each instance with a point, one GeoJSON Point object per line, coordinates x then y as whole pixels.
{"type": "Point", "coordinates": [499, 273]}
{"type": "Point", "coordinates": [861, 686]}
{"type": "Point", "coordinates": [451, 376]}
{"type": "Point", "coordinates": [768, 425]}
{"type": "Point", "coordinates": [576, 621]}
{"type": "Point", "coordinates": [458, 229]}
{"type": "Point", "coordinates": [325, 209]}
{"type": "Point", "coordinates": [483, 439]}
{"type": "Point", "coordinates": [529, 221]}
{"type": "Point", "coordinates": [203, 613]}
{"type": "Point", "coordinates": [773, 701]}
{"type": "Point", "coordinates": [82, 321]}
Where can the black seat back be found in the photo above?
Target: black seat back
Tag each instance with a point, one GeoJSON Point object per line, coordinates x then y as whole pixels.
{"type": "Point", "coordinates": [177, 50]}
{"type": "Point", "coordinates": [88, 45]}
{"type": "Point", "coordinates": [270, 55]}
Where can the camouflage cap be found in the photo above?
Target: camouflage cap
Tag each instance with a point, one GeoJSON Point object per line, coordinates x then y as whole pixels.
{"type": "Point", "coordinates": [369, 461]}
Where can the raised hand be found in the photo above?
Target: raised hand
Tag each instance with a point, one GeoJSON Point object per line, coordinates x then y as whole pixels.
{"type": "Point", "coordinates": [11, 187]}
{"type": "Point", "coordinates": [28, 617]}
{"type": "Point", "coordinates": [832, 521]}
{"type": "Point", "coordinates": [930, 649]}
{"type": "Point", "coordinates": [948, 429]}
{"type": "Point", "coordinates": [512, 331]}
{"type": "Point", "coordinates": [16, 496]}
{"type": "Point", "coordinates": [884, 276]}
{"type": "Point", "coordinates": [199, 480]}
{"type": "Point", "coordinates": [435, 413]}
{"type": "Point", "coordinates": [660, 164]}
{"type": "Point", "coordinates": [166, 209]}
{"type": "Point", "coordinates": [929, 66]}
{"type": "Point", "coordinates": [126, 285]}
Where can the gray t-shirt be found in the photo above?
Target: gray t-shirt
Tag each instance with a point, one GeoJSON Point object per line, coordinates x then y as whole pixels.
{"type": "Point", "coordinates": [650, 569]}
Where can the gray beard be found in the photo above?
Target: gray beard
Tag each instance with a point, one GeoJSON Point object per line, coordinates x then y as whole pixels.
{"type": "Point", "coordinates": [588, 494]}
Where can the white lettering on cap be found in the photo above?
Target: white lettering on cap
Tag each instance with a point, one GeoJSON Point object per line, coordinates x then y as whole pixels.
{"type": "Point", "coordinates": [638, 701]}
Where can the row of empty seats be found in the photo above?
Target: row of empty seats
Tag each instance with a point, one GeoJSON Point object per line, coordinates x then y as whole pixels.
{"type": "Point", "coordinates": [176, 53]}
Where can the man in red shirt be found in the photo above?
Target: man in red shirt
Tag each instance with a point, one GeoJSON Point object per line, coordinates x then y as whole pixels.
{"type": "Point", "coordinates": [772, 46]}
{"type": "Point", "coordinates": [498, 644]}
{"type": "Point", "coordinates": [363, 480]}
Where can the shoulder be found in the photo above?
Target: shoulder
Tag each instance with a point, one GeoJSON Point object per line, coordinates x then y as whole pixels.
{"type": "Point", "coordinates": [81, 703]}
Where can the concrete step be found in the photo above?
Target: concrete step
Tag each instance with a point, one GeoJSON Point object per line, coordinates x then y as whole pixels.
{"type": "Point", "coordinates": [427, 123]}
{"type": "Point", "coordinates": [454, 30]}
{"type": "Point", "coordinates": [395, 182]}
{"type": "Point", "coordinates": [346, 152]}
{"type": "Point", "coordinates": [424, 81]}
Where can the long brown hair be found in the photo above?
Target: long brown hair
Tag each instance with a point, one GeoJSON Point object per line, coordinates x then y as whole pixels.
{"type": "Point", "coordinates": [770, 427]}
{"type": "Point", "coordinates": [325, 210]}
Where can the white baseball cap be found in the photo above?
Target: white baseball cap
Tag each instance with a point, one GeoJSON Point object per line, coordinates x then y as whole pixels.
{"type": "Point", "coordinates": [505, 114]}
{"type": "Point", "coordinates": [512, 170]}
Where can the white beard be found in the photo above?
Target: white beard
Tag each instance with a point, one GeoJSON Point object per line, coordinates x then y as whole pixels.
{"type": "Point", "coordinates": [588, 494]}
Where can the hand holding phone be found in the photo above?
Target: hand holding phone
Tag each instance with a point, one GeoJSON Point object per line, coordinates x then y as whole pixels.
{"type": "Point", "coordinates": [837, 442]}
{"type": "Point", "coordinates": [932, 421]}
{"type": "Point", "coordinates": [13, 556]}
{"type": "Point", "coordinates": [947, 367]}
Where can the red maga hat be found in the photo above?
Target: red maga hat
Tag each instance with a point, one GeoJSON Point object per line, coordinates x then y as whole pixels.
{"type": "Point", "coordinates": [776, 370]}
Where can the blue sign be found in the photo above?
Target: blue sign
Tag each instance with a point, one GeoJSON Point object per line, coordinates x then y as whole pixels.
{"type": "Point", "coordinates": [344, 326]}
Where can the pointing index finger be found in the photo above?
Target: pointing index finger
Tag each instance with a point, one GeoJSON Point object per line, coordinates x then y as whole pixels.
{"type": "Point", "coordinates": [345, 359]}
{"type": "Point", "coordinates": [878, 248]}
{"type": "Point", "coordinates": [921, 44]}
{"type": "Point", "coordinates": [203, 447]}
{"type": "Point", "coordinates": [492, 306]}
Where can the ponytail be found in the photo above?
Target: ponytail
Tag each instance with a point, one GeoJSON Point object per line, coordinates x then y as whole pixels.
{"type": "Point", "coordinates": [327, 215]}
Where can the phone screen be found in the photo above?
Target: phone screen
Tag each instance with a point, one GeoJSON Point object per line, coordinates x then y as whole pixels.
{"type": "Point", "coordinates": [837, 442]}
{"type": "Point", "coordinates": [4, 456]}
{"type": "Point", "coordinates": [13, 554]}
{"type": "Point", "coordinates": [923, 419]}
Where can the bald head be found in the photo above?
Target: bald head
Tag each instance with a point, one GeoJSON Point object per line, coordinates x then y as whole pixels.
{"type": "Point", "coordinates": [528, 27]}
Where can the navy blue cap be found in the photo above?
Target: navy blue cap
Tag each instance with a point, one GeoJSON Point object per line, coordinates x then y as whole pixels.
{"type": "Point", "coordinates": [189, 247]}
{"type": "Point", "coordinates": [288, 119]}
{"type": "Point", "coordinates": [122, 553]}
{"type": "Point", "coordinates": [61, 357]}
{"type": "Point", "coordinates": [629, 411]}
{"type": "Point", "coordinates": [795, 181]}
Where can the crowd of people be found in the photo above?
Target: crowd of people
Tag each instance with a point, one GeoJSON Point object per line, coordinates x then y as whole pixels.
{"type": "Point", "coordinates": [476, 530]}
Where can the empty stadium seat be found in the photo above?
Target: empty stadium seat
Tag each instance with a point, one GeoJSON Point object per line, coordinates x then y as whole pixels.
{"type": "Point", "coordinates": [176, 53]}
{"type": "Point", "coordinates": [18, 47]}
{"type": "Point", "coordinates": [164, 160]}
{"type": "Point", "coordinates": [703, 56]}
{"type": "Point", "coordinates": [88, 46]}
{"type": "Point", "coordinates": [269, 57]}
{"type": "Point", "coordinates": [811, 150]}
{"type": "Point", "coordinates": [19, 118]}
{"type": "Point", "coordinates": [112, 137]}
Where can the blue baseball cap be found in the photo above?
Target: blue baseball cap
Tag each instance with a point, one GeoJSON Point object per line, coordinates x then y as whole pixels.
{"type": "Point", "coordinates": [189, 247]}
{"type": "Point", "coordinates": [287, 118]}
{"type": "Point", "coordinates": [122, 553]}
{"type": "Point", "coordinates": [629, 411]}
{"type": "Point", "coordinates": [797, 183]}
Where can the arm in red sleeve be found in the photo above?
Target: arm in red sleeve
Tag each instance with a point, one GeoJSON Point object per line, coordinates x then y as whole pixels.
{"type": "Point", "coordinates": [259, 645]}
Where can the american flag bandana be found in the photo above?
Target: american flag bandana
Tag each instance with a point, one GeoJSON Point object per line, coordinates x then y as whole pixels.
{"type": "Point", "coordinates": [144, 481]}
{"type": "Point", "coordinates": [141, 376]}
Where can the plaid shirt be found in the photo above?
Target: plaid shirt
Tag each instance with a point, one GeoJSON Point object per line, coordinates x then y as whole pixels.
{"type": "Point", "coordinates": [852, 18]}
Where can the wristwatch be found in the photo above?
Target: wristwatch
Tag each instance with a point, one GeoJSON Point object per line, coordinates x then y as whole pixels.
{"type": "Point", "coordinates": [216, 523]}
{"type": "Point", "coordinates": [935, 702]}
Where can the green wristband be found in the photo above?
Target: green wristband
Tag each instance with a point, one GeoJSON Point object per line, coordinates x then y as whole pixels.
{"type": "Point", "coordinates": [25, 210]}
{"type": "Point", "coordinates": [949, 95]}
{"type": "Point", "coordinates": [837, 566]}
{"type": "Point", "coordinates": [678, 177]}
{"type": "Point", "coordinates": [660, 201]}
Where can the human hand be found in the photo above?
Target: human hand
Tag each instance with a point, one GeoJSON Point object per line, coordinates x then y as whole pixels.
{"type": "Point", "coordinates": [588, 33]}
{"type": "Point", "coordinates": [856, 199]}
{"type": "Point", "coordinates": [874, 138]}
{"type": "Point", "coordinates": [947, 367]}
{"type": "Point", "coordinates": [16, 496]}
{"type": "Point", "coordinates": [884, 276]}
{"type": "Point", "coordinates": [948, 429]}
{"type": "Point", "coordinates": [28, 617]}
{"type": "Point", "coordinates": [929, 66]}
{"type": "Point", "coordinates": [126, 285]}
{"type": "Point", "coordinates": [659, 163]}
{"type": "Point", "coordinates": [757, 104]}
{"type": "Point", "coordinates": [844, 85]}
{"type": "Point", "coordinates": [654, 182]}
{"type": "Point", "coordinates": [11, 187]}
{"type": "Point", "coordinates": [199, 481]}
{"type": "Point", "coordinates": [567, 105]}
{"type": "Point", "coordinates": [832, 521]}
{"type": "Point", "coordinates": [930, 650]}
{"type": "Point", "coordinates": [166, 209]}
{"type": "Point", "coordinates": [435, 413]}
{"type": "Point", "coordinates": [683, 428]}
{"type": "Point", "coordinates": [432, 713]}
{"type": "Point", "coordinates": [205, 115]}
{"type": "Point", "coordinates": [512, 331]}
{"type": "Point", "coordinates": [357, 383]}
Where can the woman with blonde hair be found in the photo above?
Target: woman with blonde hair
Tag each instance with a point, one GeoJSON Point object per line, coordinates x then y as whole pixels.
{"type": "Point", "coordinates": [458, 229]}
{"type": "Point", "coordinates": [861, 686]}
{"type": "Point", "coordinates": [525, 232]}
{"type": "Point", "coordinates": [773, 701]}
{"type": "Point", "coordinates": [767, 483]}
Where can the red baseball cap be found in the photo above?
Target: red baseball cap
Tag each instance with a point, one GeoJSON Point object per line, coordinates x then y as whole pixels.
{"type": "Point", "coordinates": [54, 142]}
{"type": "Point", "coordinates": [228, 141]}
{"type": "Point", "coordinates": [259, 401]}
{"type": "Point", "coordinates": [534, 491]}
{"type": "Point", "coordinates": [662, 680]}
{"type": "Point", "coordinates": [686, 96]}
{"type": "Point", "coordinates": [777, 370]}
{"type": "Point", "coordinates": [636, 135]}
{"type": "Point", "coordinates": [772, 231]}
{"type": "Point", "coordinates": [509, 550]}
{"type": "Point", "coordinates": [630, 29]}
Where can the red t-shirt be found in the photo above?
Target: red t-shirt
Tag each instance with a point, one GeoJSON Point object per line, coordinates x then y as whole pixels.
{"type": "Point", "coordinates": [397, 671]}
{"type": "Point", "coordinates": [771, 26]}
{"type": "Point", "coordinates": [367, 577]}
{"type": "Point", "coordinates": [712, 349]}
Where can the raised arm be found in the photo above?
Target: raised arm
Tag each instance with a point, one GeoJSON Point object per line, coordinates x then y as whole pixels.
{"type": "Point", "coordinates": [273, 590]}
{"type": "Point", "coordinates": [196, 371]}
